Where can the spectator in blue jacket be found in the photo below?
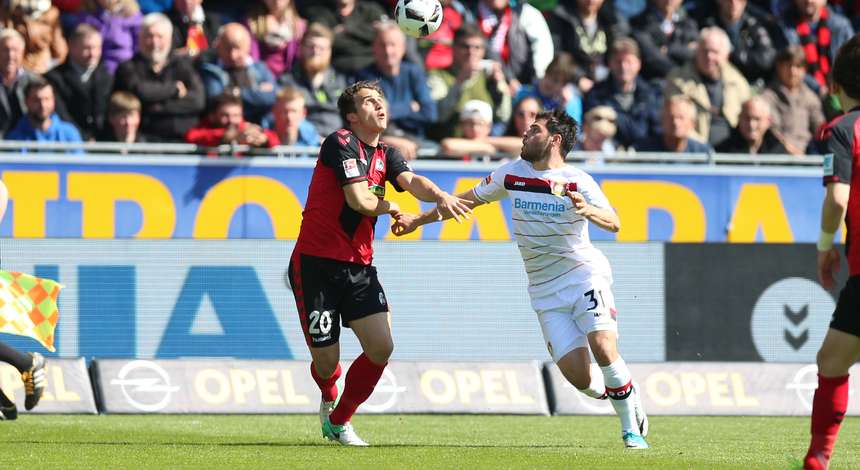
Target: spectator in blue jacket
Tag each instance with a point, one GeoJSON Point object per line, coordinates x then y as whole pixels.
{"type": "Point", "coordinates": [410, 106]}
{"type": "Point", "coordinates": [635, 101]}
{"type": "Point", "coordinates": [234, 71]}
{"type": "Point", "coordinates": [289, 113]}
{"type": "Point", "coordinates": [678, 119]}
{"type": "Point", "coordinates": [556, 89]}
{"type": "Point", "coordinates": [41, 123]}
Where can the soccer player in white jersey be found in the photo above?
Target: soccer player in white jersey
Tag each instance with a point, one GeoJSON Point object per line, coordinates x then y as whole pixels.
{"type": "Point", "coordinates": [569, 279]}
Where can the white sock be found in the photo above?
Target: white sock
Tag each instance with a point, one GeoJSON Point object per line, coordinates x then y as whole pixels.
{"type": "Point", "coordinates": [619, 387]}
{"type": "Point", "coordinates": [596, 388]}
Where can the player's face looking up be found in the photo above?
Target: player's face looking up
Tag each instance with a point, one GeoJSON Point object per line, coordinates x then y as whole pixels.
{"type": "Point", "coordinates": [370, 111]}
{"type": "Point", "coordinates": [536, 142]}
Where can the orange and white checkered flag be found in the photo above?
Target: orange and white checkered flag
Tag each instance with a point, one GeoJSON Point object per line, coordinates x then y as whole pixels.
{"type": "Point", "coordinates": [28, 306]}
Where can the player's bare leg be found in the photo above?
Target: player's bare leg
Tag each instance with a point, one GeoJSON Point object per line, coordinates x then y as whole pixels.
{"type": "Point", "coordinates": [619, 386]}
{"type": "Point", "coordinates": [577, 368]}
{"type": "Point", "coordinates": [838, 353]}
{"type": "Point", "coordinates": [374, 334]}
{"type": "Point", "coordinates": [325, 369]}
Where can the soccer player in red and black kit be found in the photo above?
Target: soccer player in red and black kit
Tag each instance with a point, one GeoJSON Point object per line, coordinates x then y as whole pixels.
{"type": "Point", "coordinates": [330, 270]}
{"type": "Point", "coordinates": [841, 347]}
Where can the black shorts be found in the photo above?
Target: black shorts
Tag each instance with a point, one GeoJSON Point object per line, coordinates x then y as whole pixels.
{"type": "Point", "coordinates": [847, 315]}
{"type": "Point", "coordinates": [330, 292]}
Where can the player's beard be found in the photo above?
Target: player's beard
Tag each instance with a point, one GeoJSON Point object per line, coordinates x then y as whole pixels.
{"type": "Point", "coordinates": [535, 151]}
{"type": "Point", "coordinates": [315, 65]}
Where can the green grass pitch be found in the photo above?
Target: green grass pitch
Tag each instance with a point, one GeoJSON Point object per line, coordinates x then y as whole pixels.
{"type": "Point", "coordinates": [409, 442]}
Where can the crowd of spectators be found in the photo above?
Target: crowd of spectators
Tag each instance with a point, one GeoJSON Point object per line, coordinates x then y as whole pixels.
{"type": "Point", "coordinates": [735, 76]}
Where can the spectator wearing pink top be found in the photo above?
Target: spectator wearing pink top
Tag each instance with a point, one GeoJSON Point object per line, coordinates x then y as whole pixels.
{"type": "Point", "coordinates": [276, 34]}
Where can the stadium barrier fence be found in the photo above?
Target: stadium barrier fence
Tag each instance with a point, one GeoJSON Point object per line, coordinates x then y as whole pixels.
{"type": "Point", "coordinates": [296, 151]}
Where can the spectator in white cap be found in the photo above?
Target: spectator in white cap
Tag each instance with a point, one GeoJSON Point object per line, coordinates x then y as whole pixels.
{"type": "Point", "coordinates": [476, 121]}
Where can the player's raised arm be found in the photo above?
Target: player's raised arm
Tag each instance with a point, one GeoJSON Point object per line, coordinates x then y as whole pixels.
{"type": "Point", "coordinates": [407, 223]}
{"type": "Point", "coordinates": [425, 190]}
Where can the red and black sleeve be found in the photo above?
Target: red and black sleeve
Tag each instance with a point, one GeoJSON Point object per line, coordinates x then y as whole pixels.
{"type": "Point", "coordinates": [839, 142]}
{"type": "Point", "coordinates": [395, 164]}
{"type": "Point", "coordinates": [340, 151]}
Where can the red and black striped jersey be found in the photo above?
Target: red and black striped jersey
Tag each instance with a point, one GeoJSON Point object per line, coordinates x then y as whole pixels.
{"type": "Point", "coordinates": [330, 228]}
{"type": "Point", "coordinates": [842, 139]}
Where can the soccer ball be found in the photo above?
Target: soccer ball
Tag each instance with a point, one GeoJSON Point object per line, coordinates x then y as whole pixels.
{"type": "Point", "coordinates": [418, 18]}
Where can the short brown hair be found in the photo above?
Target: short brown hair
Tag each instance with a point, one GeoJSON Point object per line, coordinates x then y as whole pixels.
{"type": "Point", "coordinates": [846, 67]}
{"type": "Point", "coordinates": [625, 45]}
{"type": "Point", "coordinates": [290, 93]}
{"type": "Point", "coordinates": [225, 99]}
{"type": "Point", "coordinates": [792, 54]}
{"type": "Point", "coordinates": [35, 85]}
{"type": "Point", "coordinates": [468, 31]}
{"type": "Point", "coordinates": [346, 100]}
{"type": "Point", "coordinates": [318, 30]}
{"type": "Point", "coordinates": [83, 31]}
{"type": "Point", "coordinates": [563, 66]}
{"type": "Point", "coordinates": [123, 102]}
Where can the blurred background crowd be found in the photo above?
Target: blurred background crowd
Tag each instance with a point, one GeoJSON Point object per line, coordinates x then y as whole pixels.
{"type": "Point", "coordinates": [733, 76]}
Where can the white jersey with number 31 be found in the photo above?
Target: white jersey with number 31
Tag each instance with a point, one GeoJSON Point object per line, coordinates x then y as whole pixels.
{"type": "Point", "coordinates": [552, 238]}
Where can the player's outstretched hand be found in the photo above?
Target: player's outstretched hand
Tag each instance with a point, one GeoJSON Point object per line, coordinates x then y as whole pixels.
{"type": "Point", "coordinates": [454, 206]}
{"type": "Point", "coordinates": [828, 266]}
{"type": "Point", "coordinates": [404, 223]}
{"type": "Point", "coordinates": [579, 203]}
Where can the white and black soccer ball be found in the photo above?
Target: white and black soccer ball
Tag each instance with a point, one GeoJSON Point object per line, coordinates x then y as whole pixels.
{"type": "Point", "coordinates": [418, 18]}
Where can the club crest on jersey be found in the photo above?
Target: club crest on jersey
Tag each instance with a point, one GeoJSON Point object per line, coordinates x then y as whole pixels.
{"type": "Point", "coordinates": [380, 165]}
{"type": "Point", "coordinates": [350, 168]}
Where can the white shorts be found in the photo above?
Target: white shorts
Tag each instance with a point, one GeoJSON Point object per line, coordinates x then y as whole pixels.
{"type": "Point", "coordinates": [567, 316]}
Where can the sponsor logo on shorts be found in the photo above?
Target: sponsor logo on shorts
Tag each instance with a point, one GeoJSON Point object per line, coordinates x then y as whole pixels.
{"type": "Point", "coordinates": [381, 298]}
{"type": "Point", "coordinates": [350, 168]}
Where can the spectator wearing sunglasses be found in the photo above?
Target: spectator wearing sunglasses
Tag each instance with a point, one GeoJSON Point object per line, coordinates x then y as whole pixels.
{"type": "Point", "coordinates": [599, 127]}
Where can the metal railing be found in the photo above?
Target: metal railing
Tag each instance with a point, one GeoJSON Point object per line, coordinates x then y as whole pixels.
{"type": "Point", "coordinates": [293, 152]}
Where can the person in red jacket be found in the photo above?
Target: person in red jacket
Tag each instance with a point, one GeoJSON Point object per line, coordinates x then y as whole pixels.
{"type": "Point", "coordinates": [225, 125]}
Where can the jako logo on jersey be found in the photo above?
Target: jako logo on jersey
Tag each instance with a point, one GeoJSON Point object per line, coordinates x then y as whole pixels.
{"type": "Point", "coordinates": [538, 206]}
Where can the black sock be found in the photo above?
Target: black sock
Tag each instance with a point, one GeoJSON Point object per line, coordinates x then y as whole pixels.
{"type": "Point", "coordinates": [21, 361]}
{"type": "Point", "coordinates": [5, 402]}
